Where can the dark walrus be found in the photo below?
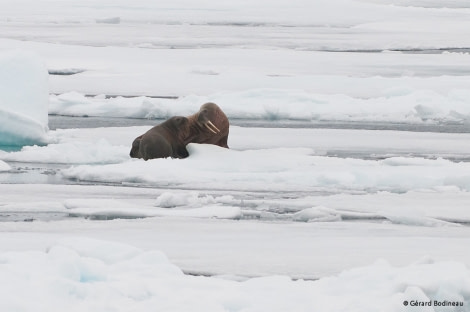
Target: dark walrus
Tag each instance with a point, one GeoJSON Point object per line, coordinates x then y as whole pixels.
{"type": "Point", "coordinates": [164, 140]}
{"type": "Point", "coordinates": [209, 125]}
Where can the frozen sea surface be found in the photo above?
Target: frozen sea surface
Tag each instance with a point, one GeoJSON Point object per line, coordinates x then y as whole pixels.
{"type": "Point", "coordinates": [346, 186]}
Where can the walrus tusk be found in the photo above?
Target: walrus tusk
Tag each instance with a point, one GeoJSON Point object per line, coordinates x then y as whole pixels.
{"type": "Point", "coordinates": [210, 123]}
{"type": "Point", "coordinates": [210, 129]}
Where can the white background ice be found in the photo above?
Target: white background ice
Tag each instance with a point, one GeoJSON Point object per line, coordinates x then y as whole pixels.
{"type": "Point", "coordinates": [378, 217]}
{"type": "Point", "coordinates": [24, 99]}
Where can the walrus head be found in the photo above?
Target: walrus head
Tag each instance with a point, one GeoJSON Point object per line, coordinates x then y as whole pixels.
{"type": "Point", "coordinates": [205, 114]}
{"type": "Point", "coordinates": [135, 147]}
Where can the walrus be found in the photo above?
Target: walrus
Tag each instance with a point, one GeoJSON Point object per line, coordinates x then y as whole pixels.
{"type": "Point", "coordinates": [209, 125]}
{"type": "Point", "coordinates": [164, 140]}
{"type": "Point", "coordinates": [135, 153]}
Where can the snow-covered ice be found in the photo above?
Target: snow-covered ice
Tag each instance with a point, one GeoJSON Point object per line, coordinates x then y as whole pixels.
{"type": "Point", "coordinates": [280, 170]}
{"type": "Point", "coordinates": [111, 145]}
{"type": "Point", "coordinates": [405, 106]}
{"type": "Point", "coordinates": [4, 166]}
{"type": "Point", "coordinates": [293, 216]}
{"type": "Point", "coordinates": [77, 274]}
{"type": "Point", "coordinates": [24, 99]}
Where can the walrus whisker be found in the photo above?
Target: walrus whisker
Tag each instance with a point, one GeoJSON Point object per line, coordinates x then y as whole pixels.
{"type": "Point", "coordinates": [210, 129]}
{"type": "Point", "coordinates": [210, 123]}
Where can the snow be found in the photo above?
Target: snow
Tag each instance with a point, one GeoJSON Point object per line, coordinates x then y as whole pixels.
{"type": "Point", "coordinates": [114, 208]}
{"type": "Point", "coordinates": [79, 273]}
{"type": "Point", "coordinates": [100, 151]}
{"type": "Point", "coordinates": [279, 169]}
{"type": "Point", "coordinates": [23, 99]}
{"type": "Point", "coordinates": [293, 216]}
{"type": "Point", "coordinates": [111, 145]}
{"type": "Point", "coordinates": [316, 214]}
{"type": "Point", "coordinates": [271, 104]}
{"type": "Point", "coordinates": [4, 166]}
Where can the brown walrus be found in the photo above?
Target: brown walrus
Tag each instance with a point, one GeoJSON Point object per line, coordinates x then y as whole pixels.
{"type": "Point", "coordinates": [209, 125]}
{"type": "Point", "coordinates": [164, 140]}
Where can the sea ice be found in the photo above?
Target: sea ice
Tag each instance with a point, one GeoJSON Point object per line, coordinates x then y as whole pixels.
{"type": "Point", "coordinates": [77, 273]}
{"type": "Point", "coordinates": [182, 48]}
{"type": "Point", "coordinates": [111, 209]}
{"type": "Point", "coordinates": [24, 98]}
{"type": "Point", "coordinates": [4, 166]}
{"type": "Point", "coordinates": [317, 214]}
{"type": "Point", "coordinates": [415, 106]}
{"type": "Point", "coordinates": [280, 169]}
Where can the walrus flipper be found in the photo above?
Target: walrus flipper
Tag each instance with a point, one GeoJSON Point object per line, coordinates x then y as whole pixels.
{"type": "Point", "coordinates": [181, 152]}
